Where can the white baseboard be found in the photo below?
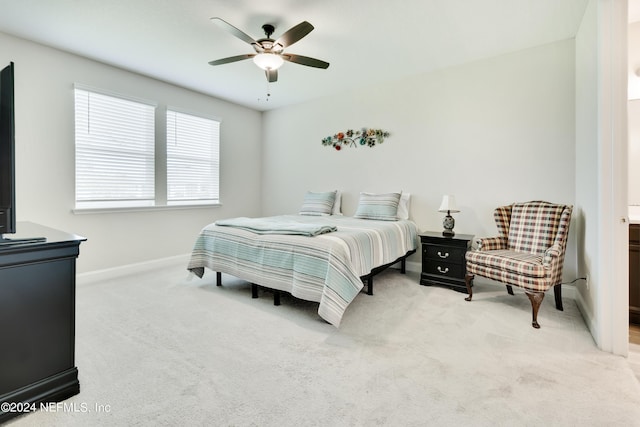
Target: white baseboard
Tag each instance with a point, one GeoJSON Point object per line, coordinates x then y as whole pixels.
{"type": "Point", "coordinates": [568, 291]}
{"type": "Point", "coordinates": [588, 319]}
{"type": "Point", "coordinates": [126, 270]}
{"type": "Point", "coordinates": [414, 267]}
{"type": "Point", "coordinates": [141, 267]}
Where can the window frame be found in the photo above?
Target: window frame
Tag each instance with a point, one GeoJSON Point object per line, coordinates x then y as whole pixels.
{"type": "Point", "coordinates": [159, 201]}
{"type": "Point", "coordinates": [215, 156]}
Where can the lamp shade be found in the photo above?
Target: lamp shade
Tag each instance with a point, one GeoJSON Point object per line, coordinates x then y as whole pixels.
{"type": "Point", "coordinates": [268, 61]}
{"type": "Point", "coordinates": [448, 204]}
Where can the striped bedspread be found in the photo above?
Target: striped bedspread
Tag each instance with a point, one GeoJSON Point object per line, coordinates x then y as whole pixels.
{"type": "Point", "coordinates": [325, 268]}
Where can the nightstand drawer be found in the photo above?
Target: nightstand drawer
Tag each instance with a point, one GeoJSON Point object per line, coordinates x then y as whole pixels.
{"type": "Point", "coordinates": [443, 253]}
{"type": "Point", "coordinates": [444, 269]}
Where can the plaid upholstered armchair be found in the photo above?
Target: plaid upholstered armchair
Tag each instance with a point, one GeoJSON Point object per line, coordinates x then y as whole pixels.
{"type": "Point", "coordinates": [529, 253]}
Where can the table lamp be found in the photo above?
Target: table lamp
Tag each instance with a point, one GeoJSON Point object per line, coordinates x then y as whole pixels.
{"type": "Point", "coordinates": [448, 205]}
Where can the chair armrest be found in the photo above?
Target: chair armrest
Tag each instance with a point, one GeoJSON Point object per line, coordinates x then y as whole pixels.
{"type": "Point", "coordinates": [551, 253]}
{"type": "Point", "coordinates": [491, 243]}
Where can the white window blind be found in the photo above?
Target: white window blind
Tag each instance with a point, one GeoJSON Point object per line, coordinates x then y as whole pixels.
{"type": "Point", "coordinates": [193, 161]}
{"type": "Point", "coordinates": [115, 144]}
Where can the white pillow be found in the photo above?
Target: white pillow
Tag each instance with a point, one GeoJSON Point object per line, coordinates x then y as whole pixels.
{"type": "Point", "coordinates": [404, 205]}
{"type": "Point", "coordinates": [337, 204]}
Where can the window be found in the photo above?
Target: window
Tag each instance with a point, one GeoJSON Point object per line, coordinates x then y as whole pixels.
{"type": "Point", "coordinates": [192, 159]}
{"type": "Point", "coordinates": [115, 143]}
{"type": "Point", "coordinates": [121, 162]}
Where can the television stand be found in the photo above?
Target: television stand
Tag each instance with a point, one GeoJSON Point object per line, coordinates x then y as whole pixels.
{"type": "Point", "coordinates": [37, 317]}
{"type": "Point", "coordinates": [5, 241]}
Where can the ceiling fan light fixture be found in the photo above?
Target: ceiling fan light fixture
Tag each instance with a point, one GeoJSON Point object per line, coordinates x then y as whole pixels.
{"type": "Point", "coordinates": [270, 54]}
{"type": "Point", "coordinates": [268, 61]}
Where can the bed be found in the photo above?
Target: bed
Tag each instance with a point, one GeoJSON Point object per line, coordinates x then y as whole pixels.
{"type": "Point", "coordinates": [327, 267]}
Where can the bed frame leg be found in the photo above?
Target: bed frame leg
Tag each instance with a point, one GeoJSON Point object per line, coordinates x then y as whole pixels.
{"type": "Point", "coordinates": [254, 290]}
{"type": "Point", "coordinates": [276, 297]}
{"type": "Point", "coordinates": [218, 278]}
{"type": "Point", "coordinates": [370, 285]}
{"type": "Point", "coordinates": [403, 266]}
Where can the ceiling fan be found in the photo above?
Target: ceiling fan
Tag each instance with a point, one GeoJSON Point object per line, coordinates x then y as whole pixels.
{"type": "Point", "coordinates": [269, 52]}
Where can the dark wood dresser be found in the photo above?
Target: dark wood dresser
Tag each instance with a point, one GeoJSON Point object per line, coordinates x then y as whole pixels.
{"type": "Point", "coordinates": [37, 320]}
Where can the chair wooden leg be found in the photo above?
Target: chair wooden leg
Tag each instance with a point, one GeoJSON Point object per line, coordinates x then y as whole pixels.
{"type": "Point", "coordinates": [467, 281]}
{"type": "Point", "coordinates": [557, 291]}
{"type": "Point", "coordinates": [536, 299]}
{"type": "Point", "coordinates": [510, 289]}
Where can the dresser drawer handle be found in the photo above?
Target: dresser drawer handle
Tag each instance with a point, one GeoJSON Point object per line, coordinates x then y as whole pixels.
{"type": "Point", "coordinates": [446, 254]}
{"type": "Point", "coordinates": [443, 271]}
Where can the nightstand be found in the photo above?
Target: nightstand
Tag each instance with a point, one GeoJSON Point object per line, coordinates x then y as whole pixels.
{"type": "Point", "coordinates": [443, 259]}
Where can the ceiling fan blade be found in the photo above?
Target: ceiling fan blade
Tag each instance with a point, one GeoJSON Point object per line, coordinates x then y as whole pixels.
{"type": "Point", "coordinates": [294, 34]}
{"type": "Point", "coordinates": [272, 75]}
{"type": "Point", "coordinates": [233, 30]}
{"type": "Point", "coordinates": [232, 59]}
{"type": "Point", "coordinates": [305, 60]}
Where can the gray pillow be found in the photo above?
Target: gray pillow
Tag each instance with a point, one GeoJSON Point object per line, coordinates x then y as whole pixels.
{"type": "Point", "coordinates": [378, 206]}
{"type": "Point", "coordinates": [318, 203]}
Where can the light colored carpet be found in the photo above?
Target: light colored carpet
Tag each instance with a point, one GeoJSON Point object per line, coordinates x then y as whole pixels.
{"type": "Point", "coordinates": [159, 349]}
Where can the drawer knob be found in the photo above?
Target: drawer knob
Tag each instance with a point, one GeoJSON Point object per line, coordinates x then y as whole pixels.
{"type": "Point", "coordinates": [443, 271]}
{"type": "Point", "coordinates": [446, 255]}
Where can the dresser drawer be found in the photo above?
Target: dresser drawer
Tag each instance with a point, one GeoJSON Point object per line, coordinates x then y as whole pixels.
{"type": "Point", "coordinates": [443, 253]}
{"type": "Point", "coordinates": [444, 269]}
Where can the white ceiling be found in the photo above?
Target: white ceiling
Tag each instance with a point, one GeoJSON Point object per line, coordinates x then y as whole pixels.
{"type": "Point", "coordinates": [367, 42]}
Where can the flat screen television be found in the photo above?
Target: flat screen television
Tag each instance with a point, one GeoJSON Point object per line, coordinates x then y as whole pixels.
{"type": "Point", "coordinates": [7, 153]}
{"type": "Point", "coordinates": [8, 162]}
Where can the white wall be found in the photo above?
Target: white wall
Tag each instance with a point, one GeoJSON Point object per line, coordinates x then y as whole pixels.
{"type": "Point", "coordinates": [601, 173]}
{"type": "Point", "coordinates": [634, 113]}
{"type": "Point", "coordinates": [634, 60]}
{"type": "Point", "coordinates": [634, 151]}
{"type": "Point", "coordinates": [45, 157]}
{"type": "Point", "coordinates": [491, 132]}
{"type": "Point", "coordinates": [586, 214]}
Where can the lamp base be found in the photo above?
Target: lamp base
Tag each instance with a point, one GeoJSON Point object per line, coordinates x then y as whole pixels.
{"type": "Point", "coordinates": [448, 223]}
